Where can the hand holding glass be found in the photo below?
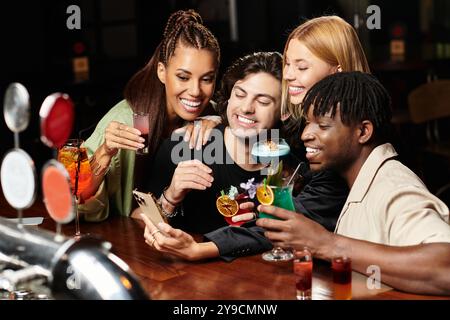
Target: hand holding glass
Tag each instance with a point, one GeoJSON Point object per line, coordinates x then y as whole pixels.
{"type": "Point", "coordinates": [141, 122]}
{"type": "Point", "coordinates": [282, 199]}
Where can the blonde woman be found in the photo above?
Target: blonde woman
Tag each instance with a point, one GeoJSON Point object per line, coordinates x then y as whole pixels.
{"type": "Point", "coordinates": [314, 50]}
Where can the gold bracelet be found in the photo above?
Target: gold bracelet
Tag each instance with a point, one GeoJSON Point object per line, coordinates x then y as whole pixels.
{"type": "Point", "coordinates": [98, 170]}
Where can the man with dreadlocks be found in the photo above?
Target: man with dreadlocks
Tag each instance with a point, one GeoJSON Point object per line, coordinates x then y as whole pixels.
{"type": "Point", "coordinates": [390, 219]}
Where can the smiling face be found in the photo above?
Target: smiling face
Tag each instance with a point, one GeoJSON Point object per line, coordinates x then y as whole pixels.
{"type": "Point", "coordinates": [254, 104]}
{"type": "Point", "coordinates": [302, 70]}
{"type": "Point", "coordinates": [189, 79]}
{"type": "Point", "coordinates": [329, 143]}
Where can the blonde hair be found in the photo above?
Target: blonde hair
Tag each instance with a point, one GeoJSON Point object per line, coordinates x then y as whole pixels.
{"type": "Point", "coordinates": [331, 39]}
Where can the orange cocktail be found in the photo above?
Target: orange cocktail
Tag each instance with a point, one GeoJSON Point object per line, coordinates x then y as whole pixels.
{"type": "Point", "coordinates": [75, 159]}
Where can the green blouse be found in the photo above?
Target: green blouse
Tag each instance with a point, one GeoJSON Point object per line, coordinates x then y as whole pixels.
{"type": "Point", "coordinates": [115, 192]}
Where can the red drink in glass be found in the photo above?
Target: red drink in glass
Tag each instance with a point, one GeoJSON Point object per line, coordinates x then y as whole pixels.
{"type": "Point", "coordinates": [303, 266]}
{"type": "Point", "coordinates": [342, 278]}
{"type": "Point", "coordinates": [240, 198]}
{"type": "Point", "coordinates": [141, 122]}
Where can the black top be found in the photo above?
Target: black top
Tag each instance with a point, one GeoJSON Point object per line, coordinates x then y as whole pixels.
{"type": "Point", "coordinates": [321, 199]}
{"type": "Point", "coordinates": [200, 212]}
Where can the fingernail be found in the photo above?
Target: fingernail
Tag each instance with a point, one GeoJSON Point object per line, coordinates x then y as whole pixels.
{"type": "Point", "coordinates": [141, 139]}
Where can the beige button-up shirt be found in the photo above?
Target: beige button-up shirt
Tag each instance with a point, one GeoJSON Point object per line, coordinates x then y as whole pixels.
{"type": "Point", "coordinates": [389, 204]}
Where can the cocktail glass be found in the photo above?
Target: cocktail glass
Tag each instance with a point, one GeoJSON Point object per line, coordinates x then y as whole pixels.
{"type": "Point", "coordinates": [240, 198]}
{"type": "Point", "coordinates": [270, 152]}
{"type": "Point", "coordinates": [74, 158]}
{"type": "Point", "coordinates": [282, 199]}
{"type": "Point", "coordinates": [141, 122]}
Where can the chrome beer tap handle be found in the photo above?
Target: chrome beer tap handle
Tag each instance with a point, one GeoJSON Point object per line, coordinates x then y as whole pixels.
{"type": "Point", "coordinates": [10, 280]}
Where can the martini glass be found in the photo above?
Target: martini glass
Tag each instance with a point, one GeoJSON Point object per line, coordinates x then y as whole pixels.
{"type": "Point", "coordinates": [270, 151]}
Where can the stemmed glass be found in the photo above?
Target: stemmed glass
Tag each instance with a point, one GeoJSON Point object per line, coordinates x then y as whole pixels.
{"type": "Point", "coordinates": [270, 152]}
{"type": "Point", "coordinates": [282, 199]}
{"type": "Point", "coordinates": [74, 158]}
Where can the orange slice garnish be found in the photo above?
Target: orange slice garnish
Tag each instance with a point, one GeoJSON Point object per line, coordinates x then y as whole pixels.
{"type": "Point", "coordinates": [226, 206]}
{"type": "Point", "coordinates": [265, 195]}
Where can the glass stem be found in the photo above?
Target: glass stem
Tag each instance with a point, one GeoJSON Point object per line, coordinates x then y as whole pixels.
{"type": "Point", "coordinates": [16, 140]}
{"type": "Point", "coordinates": [77, 218]}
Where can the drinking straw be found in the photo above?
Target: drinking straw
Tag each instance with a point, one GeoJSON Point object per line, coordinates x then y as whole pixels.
{"type": "Point", "coordinates": [295, 172]}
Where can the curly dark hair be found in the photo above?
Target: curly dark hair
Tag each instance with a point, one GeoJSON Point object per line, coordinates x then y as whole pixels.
{"type": "Point", "coordinates": [144, 91]}
{"type": "Point", "coordinates": [268, 62]}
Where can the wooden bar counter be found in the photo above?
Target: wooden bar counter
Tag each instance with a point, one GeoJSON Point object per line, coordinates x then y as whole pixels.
{"type": "Point", "coordinates": [169, 278]}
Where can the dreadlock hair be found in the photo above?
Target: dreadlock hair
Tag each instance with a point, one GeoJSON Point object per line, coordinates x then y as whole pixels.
{"type": "Point", "coordinates": [359, 96]}
{"type": "Point", "coordinates": [268, 62]}
{"type": "Point", "coordinates": [145, 92]}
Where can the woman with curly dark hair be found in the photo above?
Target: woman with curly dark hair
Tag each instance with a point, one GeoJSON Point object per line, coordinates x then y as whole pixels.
{"type": "Point", "coordinates": [174, 87]}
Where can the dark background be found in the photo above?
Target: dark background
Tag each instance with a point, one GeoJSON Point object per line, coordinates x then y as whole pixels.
{"type": "Point", "coordinates": [119, 36]}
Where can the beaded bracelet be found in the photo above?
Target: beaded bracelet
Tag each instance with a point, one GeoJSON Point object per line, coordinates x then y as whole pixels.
{"type": "Point", "coordinates": [177, 208]}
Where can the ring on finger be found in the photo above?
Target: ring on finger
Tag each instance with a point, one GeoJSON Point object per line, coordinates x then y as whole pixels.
{"type": "Point", "coordinates": [152, 242]}
{"type": "Point", "coordinates": [155, 232]}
